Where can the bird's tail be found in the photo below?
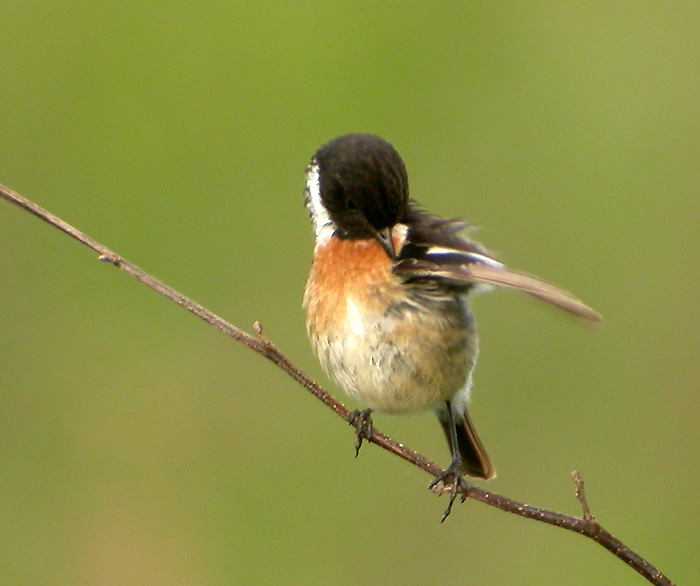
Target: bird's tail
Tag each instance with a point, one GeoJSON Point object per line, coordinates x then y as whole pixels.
{"type": "Point", "coordinates": [474, 457]}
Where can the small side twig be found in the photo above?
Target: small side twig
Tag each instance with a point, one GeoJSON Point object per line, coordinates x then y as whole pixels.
{"type": "Point", "coordinates": [581, 496]}
{"type": "Point", "coordinates": [586, 526]}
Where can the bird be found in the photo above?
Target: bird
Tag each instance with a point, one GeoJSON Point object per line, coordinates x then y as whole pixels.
{"type": "Point", "coordinates": [387, 299]}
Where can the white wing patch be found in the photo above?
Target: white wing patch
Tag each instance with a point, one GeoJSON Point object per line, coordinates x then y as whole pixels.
{"type": "Point", "coordinates": [467, 256]}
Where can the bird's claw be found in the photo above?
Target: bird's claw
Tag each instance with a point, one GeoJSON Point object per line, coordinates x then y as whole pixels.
{"type": "Point", "coordinates": [454, 478]}
{"type": "Point", "coordinates": [362, 422]}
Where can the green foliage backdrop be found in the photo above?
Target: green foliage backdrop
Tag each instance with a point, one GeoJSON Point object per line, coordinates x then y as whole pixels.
{"type": "Point", "coordinates": [139, 446]}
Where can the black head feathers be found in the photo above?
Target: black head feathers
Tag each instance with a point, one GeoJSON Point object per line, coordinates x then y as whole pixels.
{"type": "Point", "coordinates": [362, 184]}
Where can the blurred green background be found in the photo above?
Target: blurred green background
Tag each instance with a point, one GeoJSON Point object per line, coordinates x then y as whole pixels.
{"type": "Point", "coordinates": [140, 446]}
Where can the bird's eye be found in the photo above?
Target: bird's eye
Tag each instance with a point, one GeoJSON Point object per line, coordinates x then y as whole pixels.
{"type": "Point", "coordinates": [351, 205]}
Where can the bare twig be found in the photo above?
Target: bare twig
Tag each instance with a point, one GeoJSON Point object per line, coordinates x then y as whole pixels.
{"type": "Point", "coordinates": [581, 496]}
{"type": "Point", "coordinates": [586, 526]}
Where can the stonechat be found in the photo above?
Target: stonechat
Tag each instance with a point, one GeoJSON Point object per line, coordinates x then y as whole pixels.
{"type": "Point", "coordinates": [387, 299]}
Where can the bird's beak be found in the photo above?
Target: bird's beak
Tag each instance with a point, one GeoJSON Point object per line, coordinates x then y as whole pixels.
{"type": "Point", "coordinates": [385, 239]}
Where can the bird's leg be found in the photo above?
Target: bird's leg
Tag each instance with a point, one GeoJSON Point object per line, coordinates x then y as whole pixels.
{"type": "Point", "coordinates": [362, 422]}
{"type": "Point", "coordinates": [454, 474]}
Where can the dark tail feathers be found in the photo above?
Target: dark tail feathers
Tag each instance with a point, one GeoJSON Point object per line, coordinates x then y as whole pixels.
{"type": "Point", "coordinates": [474, 457]}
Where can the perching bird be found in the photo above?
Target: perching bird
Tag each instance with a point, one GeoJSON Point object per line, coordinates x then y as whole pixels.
{"type": "Point", "coordinates": [387, 299]}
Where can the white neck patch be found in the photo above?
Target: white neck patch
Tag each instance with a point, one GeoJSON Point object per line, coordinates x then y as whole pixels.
{"type": "Point", "coordinates": [323, 225]}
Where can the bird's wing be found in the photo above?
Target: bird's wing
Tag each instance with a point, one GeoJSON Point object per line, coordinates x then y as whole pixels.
{"type": "Point", "coordinates": [462, 269]}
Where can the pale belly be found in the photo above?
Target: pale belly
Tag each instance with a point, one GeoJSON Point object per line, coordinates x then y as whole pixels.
{"type": "Point", "coordinates": [404, 360]}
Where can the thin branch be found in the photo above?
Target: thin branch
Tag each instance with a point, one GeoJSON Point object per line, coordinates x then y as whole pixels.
{"type": "Point", "coordinates": [586, 526]}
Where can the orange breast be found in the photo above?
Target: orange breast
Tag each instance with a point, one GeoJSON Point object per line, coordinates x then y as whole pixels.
{"type": "Point", "coordinates": [380, 345]}
{"type": "Point", "coordinates": [348, 268]}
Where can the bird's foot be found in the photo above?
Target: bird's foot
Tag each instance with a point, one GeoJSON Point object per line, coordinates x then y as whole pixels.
{"type": "Point", "coordinates": [453, 478]}
{"type": "Point", "coordinates": [362, 422]}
